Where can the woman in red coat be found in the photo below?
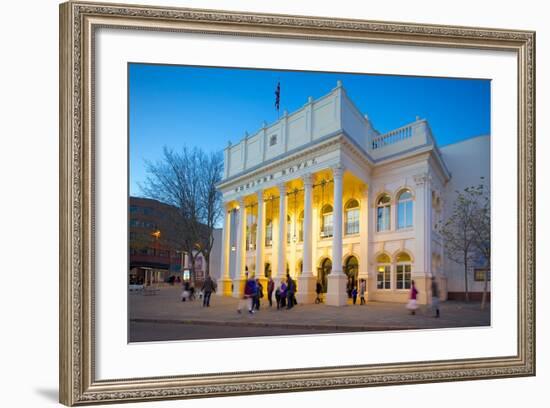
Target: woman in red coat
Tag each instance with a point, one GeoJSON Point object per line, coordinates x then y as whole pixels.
{"type": "Point", "coordinates": [411, 305]}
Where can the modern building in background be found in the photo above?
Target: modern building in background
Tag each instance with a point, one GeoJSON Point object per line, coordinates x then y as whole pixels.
{"type": "Point", "coordinates": [323, 196]}
{"type": "Point", "coordinates": [152, 258]}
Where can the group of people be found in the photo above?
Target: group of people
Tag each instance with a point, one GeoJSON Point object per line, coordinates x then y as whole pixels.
{"type": "Point", "coordinates": [285, 294]}
{"type": "Point", "coordinates": [208, 286]}
{"type": "Point", "coordinates": [413, 294]}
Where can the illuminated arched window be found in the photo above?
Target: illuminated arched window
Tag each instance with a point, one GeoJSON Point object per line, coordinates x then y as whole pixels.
{"type": "Point", "coordinates": [383, 206]}
{"type": "Point", "coordinates": [405, 209]}
{"type": "Point", "coordinates": [326, 221]}
{"type": "Point", "coordinates": [403, 271]}
{"type": "Point", "coordinates": [288, 229]}
{"type": "Point", "coordinates": [268, 233]}
{"type": "Point", "coordinates": [383, 272]}
{"type": "Point", "coordinates": [352, 217]}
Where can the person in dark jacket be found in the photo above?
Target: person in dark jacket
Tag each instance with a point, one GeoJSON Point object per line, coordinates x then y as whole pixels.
{"type": "Point", "coordinates": [258, 295]}
{"type": "Point", "coordinates": [208, 287]}
{"type": "Point", "coordinates": [270, 289]}
{"type": "Point", "coordinates": [248, 296]}
{"type": "Point", "coordinates": [318, 290]}
{"type": "Point", "coordinates": [291, 289]}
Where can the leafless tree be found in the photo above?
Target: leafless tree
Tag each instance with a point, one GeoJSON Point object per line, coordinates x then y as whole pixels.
{"type": "Point", "coordinates": [466, 232]}
{"type": "Point", "coordinates": [187, 181]}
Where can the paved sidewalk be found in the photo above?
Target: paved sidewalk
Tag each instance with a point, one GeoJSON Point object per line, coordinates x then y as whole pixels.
{"type": "Point", "coordinates": [166, 307]}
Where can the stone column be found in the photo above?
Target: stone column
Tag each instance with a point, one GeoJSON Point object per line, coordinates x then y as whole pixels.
{"type": "Point", "coordinates": [260, 242]}
{"type": "Point", "coordinates": [281, 247]}
{"type": "Point", "coordinates": [306, 281]}
{"type": "Point", "coordinates": [365, 228]}
{"type": "Point", "coordinates": [422, 266]}
{"type": "Point", "coordinates": [239, 279]}
{"type": "Point", "coordinates": [224, 281]}
{"type": "Point", "coordinates": [336, 291]}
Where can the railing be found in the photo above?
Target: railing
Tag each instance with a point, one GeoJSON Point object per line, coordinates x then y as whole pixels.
{"type": "Point", "coordinates": [392, 137]}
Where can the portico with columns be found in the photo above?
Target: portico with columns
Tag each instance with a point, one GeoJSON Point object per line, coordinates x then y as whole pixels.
{"type": "Point", "coordinates": [322, 196]}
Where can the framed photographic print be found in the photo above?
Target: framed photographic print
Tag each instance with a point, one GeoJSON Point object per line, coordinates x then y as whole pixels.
{"type": "Point", "coordinates": [356, 195]}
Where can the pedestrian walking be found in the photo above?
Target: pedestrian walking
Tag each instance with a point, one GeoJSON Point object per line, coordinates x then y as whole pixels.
{"type": "Point", "coordinates": [185, 293]}
{"type": "Point", "coordinates": [270, 288]}
{"type": "Point", "coordinates": [258, 295]}
{"type": "Point", "coordinates": [318, 290]}
{"type": "Point", "coordinates": [291, 288]}
{"type": "Point", "coordinates": [248, 295]}
{"type": "Point", "coordinates": [362, 290]}
{"type": "Point", "coordinates": [354, 294]}
{"type": "Point", "coordinates": [411, 305]}
{"type": "Point", "coordinates": [283, 292]}
{"type": "Point", "coordinates": [435, 297]}
{"type": "Point", "coordinates": [208, 287]}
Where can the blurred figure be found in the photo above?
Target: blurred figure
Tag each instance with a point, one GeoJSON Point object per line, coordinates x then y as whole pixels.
{"type": "Point", "coordinates": [318, 290]}
{"type": "Point", "coordinates": [291, 289]}
{"type": "Point", "coordinates": [362, 290]}
{"type": "Point", "coordinates": [411, 305]}
{"type": "Point", "coordinates": [208, 287]}
{"type": "Point", "coordinates": [354, 294]}
{"type": "Point", "coordinates": [435, 297]}
{"type": "Point", "coordinates": [258, 295]}
{"type": "Point", "coordinates": [249, 292]}
{"type": "Point", "coordinates": [283, 293]}
{"type": "Point", "coordinates": [270, 289]}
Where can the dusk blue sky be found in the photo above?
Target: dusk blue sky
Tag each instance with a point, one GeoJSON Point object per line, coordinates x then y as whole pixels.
{"type": "Point", "coordinates": [178, 106]}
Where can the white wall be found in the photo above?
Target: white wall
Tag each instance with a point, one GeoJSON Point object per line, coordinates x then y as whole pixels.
{"type": "Point", "coordinates": [467, 161]}
{"type": "Point", "coordinates": [28, 165]}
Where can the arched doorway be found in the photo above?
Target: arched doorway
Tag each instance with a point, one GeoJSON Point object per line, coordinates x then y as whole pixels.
{"type": "Point", "coordinates": [351, 269]}
{"type": "Point", "coordinates": [267, 270]}
{"type": "Point", "coordinates": [323, 272]}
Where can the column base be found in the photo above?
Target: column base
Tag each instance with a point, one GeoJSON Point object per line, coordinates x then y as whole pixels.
{"type": "Point", "coordinates": [336, 290]}
{"type": "Point", "coordinates": [238, 287]}
{"type": "Point", "coordinates": [306, 289]}
{"type": "Point", "coordinates": [224, 287]}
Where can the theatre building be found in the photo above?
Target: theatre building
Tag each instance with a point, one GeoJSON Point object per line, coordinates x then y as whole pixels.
{"type": "Point", "coordinates": [323, 196]}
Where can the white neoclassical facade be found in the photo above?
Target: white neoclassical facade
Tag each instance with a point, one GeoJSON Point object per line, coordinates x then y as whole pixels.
{"type": "Point", "coordinates": [323, 196]}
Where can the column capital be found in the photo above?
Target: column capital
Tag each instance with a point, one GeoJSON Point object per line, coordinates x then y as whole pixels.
{"type": "Point", "coordinates": [338, 171]}
{"type": "Point", "coordinates": [240, 200]}
{"type": "Point", "coordinates": [421, 179]}
{"type": "Point", "coordinates": [307, 179]}
{"type": "Point", "coordinates": [260, 196]}
{"type": "Point", "coordinates": [282, 188]}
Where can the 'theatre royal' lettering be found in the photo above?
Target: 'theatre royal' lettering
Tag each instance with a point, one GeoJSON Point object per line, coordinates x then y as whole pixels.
{"type": "Point", "coordinates": [273, 176]}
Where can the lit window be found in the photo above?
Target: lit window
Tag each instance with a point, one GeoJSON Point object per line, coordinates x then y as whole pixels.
{"type": "Point", "coordinates": [383, 213]}
{"type": "Point", "coordinates": [326, 221]}
{"type": "Point", "coordinates": [268, 233]}
{"type": "Point", "coordinates": [405, 209]}
{"type": "Point", "coordinates": [383, 272]}
{"type": "Point", "coordinates": [479, 274]}
{"type": "Point", "coordinates": [352, 217]}
{"type": "Point", "coordinates": [403, 271]}
{"type": "Point", "coordinates": [288, 229]}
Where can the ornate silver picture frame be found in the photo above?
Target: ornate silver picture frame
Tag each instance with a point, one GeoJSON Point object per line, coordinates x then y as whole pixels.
{"type": "Point", "coordinates": [79, 22]}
